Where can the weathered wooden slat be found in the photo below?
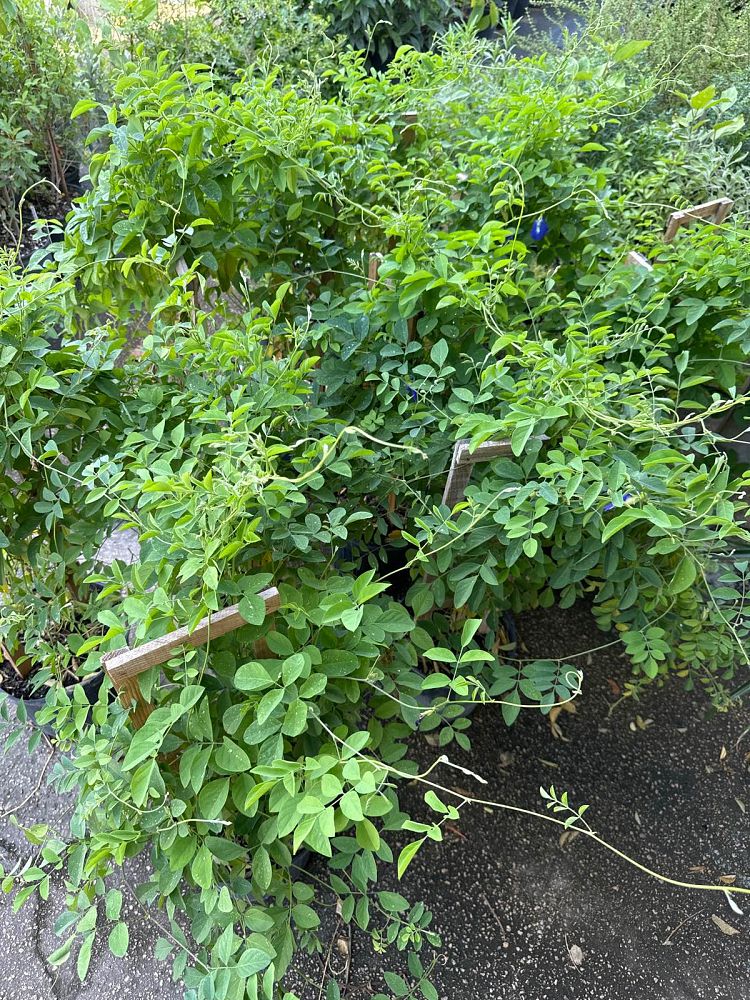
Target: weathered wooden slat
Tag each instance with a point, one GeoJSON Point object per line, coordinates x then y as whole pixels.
{"type": "Point", "coordinates": [713, 212]}
{"type": "Point", "coordinates": [123, 667]}
{"type": "Point", "coordinates": [374, 262]}
{"type": "Point", "coordinates": [410, 119]}
{"type": "Point", "coordinates": [129, 691]}
{"type": "Point", "coordinates": [463, 462]}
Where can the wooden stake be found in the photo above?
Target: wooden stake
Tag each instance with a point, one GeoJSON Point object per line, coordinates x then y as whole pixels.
{"type": "Point", "coordinates": [410, 119]}
{"type": "Point", "coordinates": [373, 263]}
{"type": "Point", "coordinates": [21, 663]}
{"type": "Point", "coordinates": [124, 666]}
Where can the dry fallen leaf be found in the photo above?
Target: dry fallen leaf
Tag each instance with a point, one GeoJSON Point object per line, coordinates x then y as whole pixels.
{"type": "Point", "coordinates": [553, 716]}
{"type": "Point", "coordinates": [741, 804]}
{"type": "Point", "coordinates": [727, 879]}
{"type": "Point", "coordinates": [723, 926]}
{"type": "Point", "coordinates": [342, 946]}
{"type": "Point", "coordinates": [462, 791]}
{"type": "Point", "coordinates": [723, 753]}
{"type": "Point", "coordinates": [567, 837]}
{"type": "Point", "coordinates": [453, 829]}
{"type": "Point", "coordinates": [547, 763]}
{"type": "Point", "coordinates": [576, 955]}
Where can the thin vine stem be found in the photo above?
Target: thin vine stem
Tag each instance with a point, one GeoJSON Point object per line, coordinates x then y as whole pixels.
{"type": "Point", "coordinates": [523, 811]}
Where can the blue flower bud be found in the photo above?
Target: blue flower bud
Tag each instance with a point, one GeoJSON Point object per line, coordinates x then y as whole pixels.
{"type": "Point", "coordinates": [539, 229]}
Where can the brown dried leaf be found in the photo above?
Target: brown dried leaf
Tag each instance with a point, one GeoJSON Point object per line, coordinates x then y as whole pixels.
{"type": "Point", "coordinates": [723, 926]}
{"type": "Point", "coordinates": [454, 830]}
{"type": "Point", "coordinates": [567, 837]}
{"type": "Point", "coordinates": [727, 879]}
{"type": "Point", "coordinates": [462, 791]}
{"type": "Point", "coordinates": [554, 714]}
{"type": "Point", "coordinates": [723, 753]}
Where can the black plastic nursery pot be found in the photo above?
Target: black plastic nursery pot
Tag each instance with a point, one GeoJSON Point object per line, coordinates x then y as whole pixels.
{"type": "Point", "coordinates": [427, 699]}
{"type": "Point", "coordinates": [32, 706]}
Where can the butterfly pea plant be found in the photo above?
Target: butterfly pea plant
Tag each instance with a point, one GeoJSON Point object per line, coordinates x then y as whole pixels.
{"type": "Point", "coordinates": [284, 406]}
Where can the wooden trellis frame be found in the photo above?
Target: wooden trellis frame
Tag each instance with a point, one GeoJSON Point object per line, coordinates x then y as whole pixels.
{"type": "Point", "coordinates": [713, 212]}
{"type": "Point", "coordinates": [124, 666]}
{"type": "Point", "coordinates": [463, 462]}
{"type": "Point", "coordinates": [373, 263]}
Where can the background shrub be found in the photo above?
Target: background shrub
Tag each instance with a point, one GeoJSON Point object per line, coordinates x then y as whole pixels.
{"type": "Point", "coordinates": [227, 35]}
{"type": "Point", "coordinates": [40, 82]}
{"type": "Point", "coordinates": [381, 27]}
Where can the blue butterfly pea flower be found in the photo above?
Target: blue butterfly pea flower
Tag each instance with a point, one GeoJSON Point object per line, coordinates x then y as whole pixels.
{"type": "Point", "coordinates": [539, 229]}
{"type": "Point", "coordinates": [625, 498]}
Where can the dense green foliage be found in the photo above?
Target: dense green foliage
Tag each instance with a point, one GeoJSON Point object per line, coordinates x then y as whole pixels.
{"type": "Point", "coordinates": [227, 35]}
{"type": "Point", "coordinates": [281, 304]}
{"type": "Point", "coordinates": [381, 27]}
